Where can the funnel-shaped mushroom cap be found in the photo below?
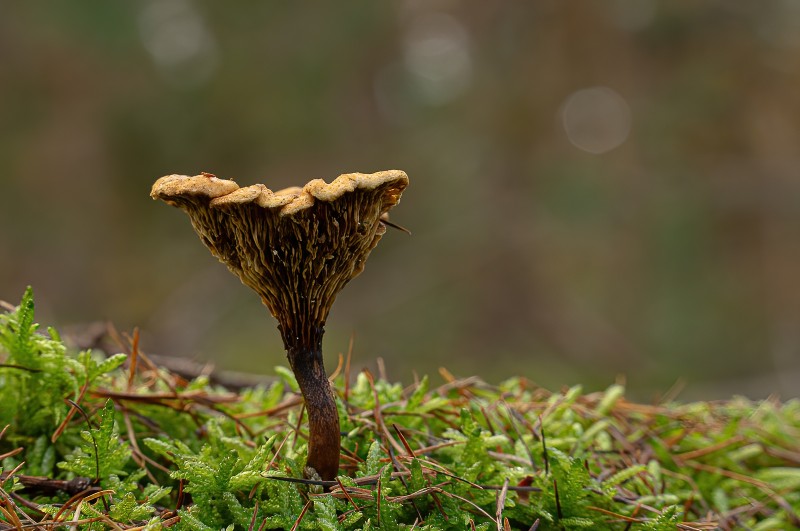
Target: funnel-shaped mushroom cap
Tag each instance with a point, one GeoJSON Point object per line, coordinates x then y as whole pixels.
{"type": "Point", "coordinates": [296, 247]}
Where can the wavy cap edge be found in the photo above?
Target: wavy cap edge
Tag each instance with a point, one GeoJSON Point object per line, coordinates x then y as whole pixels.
{"type": "Point", "coordinates": [226, 194]}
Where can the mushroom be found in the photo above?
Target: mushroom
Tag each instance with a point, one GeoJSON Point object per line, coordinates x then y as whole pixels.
{"type": "Point", "coordinates": [296, 248]}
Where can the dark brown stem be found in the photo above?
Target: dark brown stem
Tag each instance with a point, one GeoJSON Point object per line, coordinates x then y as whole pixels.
{"type": "Point", "coordinates": [323, 417]}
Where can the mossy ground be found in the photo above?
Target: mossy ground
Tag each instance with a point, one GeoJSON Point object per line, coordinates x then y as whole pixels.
{"type": "Point", "coordinates": [91, 441]}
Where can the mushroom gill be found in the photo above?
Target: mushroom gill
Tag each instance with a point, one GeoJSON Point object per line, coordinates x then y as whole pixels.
{"type": "Point", "coordinates": [296, 248]}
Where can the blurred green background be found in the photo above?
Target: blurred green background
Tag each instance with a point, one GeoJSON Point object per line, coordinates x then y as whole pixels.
{"type": "Point", "coordinates": [597, 188]}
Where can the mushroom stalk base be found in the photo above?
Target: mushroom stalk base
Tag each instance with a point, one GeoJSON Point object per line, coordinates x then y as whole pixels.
{"type": "Point", "coordinates": [323, 418]}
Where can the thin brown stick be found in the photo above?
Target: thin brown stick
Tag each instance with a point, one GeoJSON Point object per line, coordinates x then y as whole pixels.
{"type": "Point", "coordinates": [347, 495]}
{"type": "Point", "coordinates": [71, 413]}
{"type": "Point", "coordinates": [12, 453]}
{"type": "Point", "coordinates": [134, 358]}
{"type": "Point", "coordinates": [137, 454]}
{"type": "Point", "coordinates": [700, 452]}
{"type": "Point", "coordinates": [302, 514]}
{"type": "Point", "coordinates": [501, 503]}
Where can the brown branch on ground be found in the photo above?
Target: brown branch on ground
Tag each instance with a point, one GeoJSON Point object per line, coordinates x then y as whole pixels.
{"type": "Point", "coordinates": [44, 486]}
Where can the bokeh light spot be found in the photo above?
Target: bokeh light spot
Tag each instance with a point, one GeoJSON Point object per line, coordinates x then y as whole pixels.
{"type": "Point", "coordinates": [596, 119]}
{"type": "Point", "coordinates": [179, 41]}
{"type": "Point", "coordinates": [436, 53]}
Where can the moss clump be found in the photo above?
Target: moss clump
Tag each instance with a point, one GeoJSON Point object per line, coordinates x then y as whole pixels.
{"type": "Point", "coordinates": [94, 443]}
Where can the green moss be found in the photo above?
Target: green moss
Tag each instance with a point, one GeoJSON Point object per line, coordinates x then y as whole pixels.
{"type": "Point", "coordinates": [145, 448]}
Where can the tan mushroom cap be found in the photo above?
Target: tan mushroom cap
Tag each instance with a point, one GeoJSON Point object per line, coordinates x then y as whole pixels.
{"type": "Point", "coordinates": [296, 247]}
{"type": "Point", "coordinates": [204, 185]}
